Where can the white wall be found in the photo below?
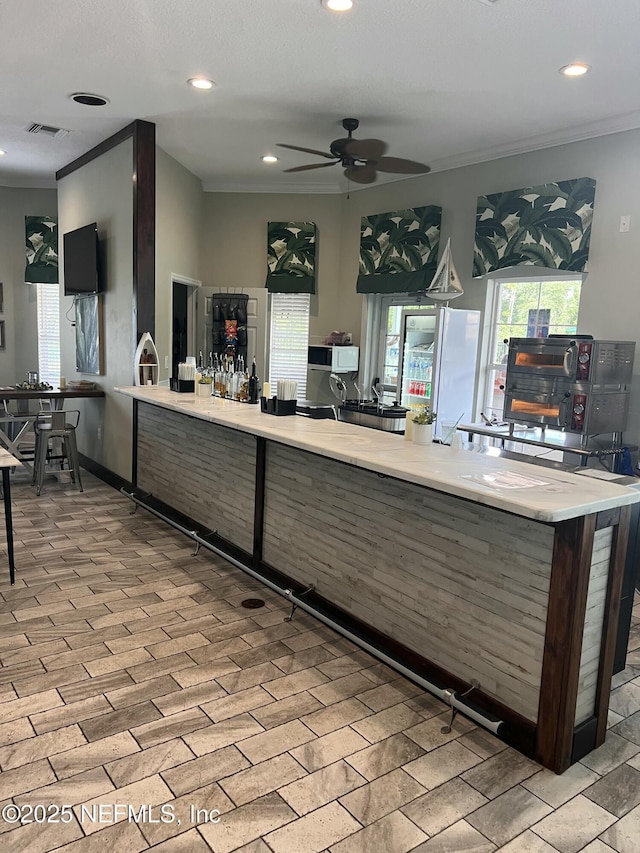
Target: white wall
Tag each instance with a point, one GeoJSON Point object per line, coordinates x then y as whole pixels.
{"type": "Point", "coordinates": [610, 302]}
{"type": "Point", "coordinates": [179, 236]}
{"type": "Point", "coordinates": [102, 192]}
{"type": "Point", "coordinates": [19, 310]}
{"type": "Point", "coordinates": [234, 252]}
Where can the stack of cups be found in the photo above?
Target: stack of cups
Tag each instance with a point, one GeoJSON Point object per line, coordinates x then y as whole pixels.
{"type": "Point", "coordinates": [408, 427]}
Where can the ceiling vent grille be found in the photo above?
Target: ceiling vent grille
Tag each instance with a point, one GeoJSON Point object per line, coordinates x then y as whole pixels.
{"type": "Point", "coordinates": [47, 130]}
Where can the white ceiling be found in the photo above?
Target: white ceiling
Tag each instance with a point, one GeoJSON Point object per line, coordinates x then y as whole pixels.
{"type": "Point", "coordinates": [446, 82]}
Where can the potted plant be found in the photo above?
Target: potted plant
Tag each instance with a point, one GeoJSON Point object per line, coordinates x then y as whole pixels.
{"type": "Point", "coordinates": [204, 386]}
{"type": "Point", "coordinates": [423, 425]}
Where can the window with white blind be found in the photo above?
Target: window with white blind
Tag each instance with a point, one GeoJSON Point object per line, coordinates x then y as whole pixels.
{"type": "Point", "coordinates": [48, 307]}
{"type": "Point", "coordinates": [289, 339]}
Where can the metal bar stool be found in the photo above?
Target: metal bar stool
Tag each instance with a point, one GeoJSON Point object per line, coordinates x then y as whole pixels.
{"type": "Point", "coordinates": [62, 426]}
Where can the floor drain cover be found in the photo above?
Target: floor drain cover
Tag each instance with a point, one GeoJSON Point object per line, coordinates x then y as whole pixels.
{"type": "Point", "coordinates": [253, 603]}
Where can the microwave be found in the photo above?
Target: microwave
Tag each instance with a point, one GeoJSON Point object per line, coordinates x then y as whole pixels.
{"type": "Point", "coordinates": [336, 359]}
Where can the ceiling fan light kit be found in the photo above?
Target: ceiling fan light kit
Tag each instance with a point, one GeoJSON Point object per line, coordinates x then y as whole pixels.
{"type": "Point", "coordinates": [361, 159]}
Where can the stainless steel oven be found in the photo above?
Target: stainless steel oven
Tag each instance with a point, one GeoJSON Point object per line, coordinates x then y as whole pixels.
{"type": "Point", "coordinates": [570, 406]}
{"type": "Point", "coordinates": [576, 385]}
{"type": "Point", "coordinates": [579, 360]}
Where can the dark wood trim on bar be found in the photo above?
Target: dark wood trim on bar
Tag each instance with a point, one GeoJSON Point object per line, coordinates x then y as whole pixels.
{"type": "Point", "coordinates": [610, 624]}
{"type": "Point", "coordinates": [105, 474]}
{"type": "Point", "coordinates": [144, 229]}
{"type": "Point", "coordinates": [584, 738]}
{"type": "Point", "coordinates": [608, 518]}
{"type": "Point", "coordinates": [134, 444]}
{"type": "Point", "coordinates": [563, 641]}
{"type": "Point", "coordinates": [258, 507]}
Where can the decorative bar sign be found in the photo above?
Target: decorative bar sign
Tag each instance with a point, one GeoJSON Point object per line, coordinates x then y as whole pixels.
{"type": "Point", "coordinates": [547, 226]}
{"type": "Point", "coordinates": [399, 250]}
{"type": "Point", "coordinates": [41, 244]}
{"type": "Point", "coordinates": [291, 257]}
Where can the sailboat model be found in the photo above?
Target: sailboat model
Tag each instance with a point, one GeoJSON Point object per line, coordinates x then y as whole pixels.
{"type": "Point", "coordinates": [445, 284]}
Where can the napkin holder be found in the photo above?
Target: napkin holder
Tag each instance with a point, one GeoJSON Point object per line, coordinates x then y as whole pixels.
{"type": "Point", "coordinates": [273, 406]}
{"type": "Point", "coordinates": [183, 386]}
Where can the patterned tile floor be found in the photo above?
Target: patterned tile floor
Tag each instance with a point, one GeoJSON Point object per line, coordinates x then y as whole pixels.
{"type": "Point", "coordinates": [132, 678]}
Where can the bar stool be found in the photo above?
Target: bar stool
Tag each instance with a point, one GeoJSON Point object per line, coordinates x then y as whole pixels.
{"type": "Point", "coordinates": [62, 426]}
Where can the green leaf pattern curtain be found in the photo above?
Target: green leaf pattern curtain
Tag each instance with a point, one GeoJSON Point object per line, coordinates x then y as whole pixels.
{"type": "Point", "coordinates": [399, 250]}
{"type": "Point", "coordinates": [547, 226]}
{"type": "Point", "coordinates": [291, 257]}
{"type": "Point", "coordinates": [41, 246]}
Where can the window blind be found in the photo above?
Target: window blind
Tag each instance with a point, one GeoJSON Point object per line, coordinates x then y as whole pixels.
{"type": "Point", "coordinates": [48, 309]}
{"type": "Point", "coordinates": [289, 339]}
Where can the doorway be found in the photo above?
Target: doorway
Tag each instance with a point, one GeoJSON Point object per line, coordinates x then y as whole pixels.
{"type": "Point", "coordinates": [183, 320]}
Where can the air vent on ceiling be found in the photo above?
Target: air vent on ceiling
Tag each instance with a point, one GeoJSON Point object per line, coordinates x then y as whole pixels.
{"type": "Point", "coordinates": [89, 100]}
{"type": "Point", "coordinates": [488, 2]}
{"type": "Point", "coordinates": [47, 130]}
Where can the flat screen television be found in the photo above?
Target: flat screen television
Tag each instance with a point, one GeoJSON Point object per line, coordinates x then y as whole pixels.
{"type": "Point", "coordinates": [81, 261]}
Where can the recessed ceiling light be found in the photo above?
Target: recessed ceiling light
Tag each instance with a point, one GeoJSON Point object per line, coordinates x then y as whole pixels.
{"type": "Point", "coordinates": [269, 158]}
{"type": "Point", "coordinates": [337, 5]}
{"type": "Point", "coordinates": [89, 100]}
{"type": "Point", "coordinates": [2, 153]}
{"type": "Point", "coordinates": [201, 83]}
{"type": "Point", "coordinates": [575, 69]}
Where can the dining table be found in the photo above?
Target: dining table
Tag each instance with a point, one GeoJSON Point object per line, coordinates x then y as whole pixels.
{"type": "Point", "coordinates": [14, 425]}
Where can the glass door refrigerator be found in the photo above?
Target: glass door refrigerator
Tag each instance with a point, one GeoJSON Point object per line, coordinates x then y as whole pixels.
{"type": "Point", "coordinates": [439, 350]}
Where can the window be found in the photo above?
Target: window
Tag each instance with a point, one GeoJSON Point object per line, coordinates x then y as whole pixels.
{"type": "Point", "coordinates": [520, 311]}
{"type": "Point", "coordinates": [289, 339]}
{"type": "Point", "coordinates": [48, 309]}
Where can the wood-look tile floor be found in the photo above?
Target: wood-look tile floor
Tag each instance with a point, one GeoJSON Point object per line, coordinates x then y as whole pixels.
{"type": "Point", "coordinates": [132, 677]}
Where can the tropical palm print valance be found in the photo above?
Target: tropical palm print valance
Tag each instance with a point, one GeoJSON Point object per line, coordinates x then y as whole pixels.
{"type": "Point", "coordinates": [291, 257]}
{"type": "Point", "coordinates": [41, 246]}
{"type": "Point", "coordinates": [399, 251]}
{"type": "Point", "coordinates": [548, 226]}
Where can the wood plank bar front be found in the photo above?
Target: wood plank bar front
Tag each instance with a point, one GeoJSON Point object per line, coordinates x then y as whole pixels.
{"type": "Point", "coordinates": [451, 589]}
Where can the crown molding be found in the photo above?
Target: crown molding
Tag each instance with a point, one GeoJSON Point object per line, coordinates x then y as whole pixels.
{"type": "Point", "coordinates": [592, 130]}
{"type": "Point", "coordinates": [271, 188]}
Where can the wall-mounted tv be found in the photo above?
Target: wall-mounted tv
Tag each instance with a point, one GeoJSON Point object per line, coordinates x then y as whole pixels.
{"type": "Point", "coordinates": [82, 261]}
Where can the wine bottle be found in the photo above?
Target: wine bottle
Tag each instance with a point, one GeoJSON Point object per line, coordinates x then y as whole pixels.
{"type": "Point", "coordinates": [254, 384]}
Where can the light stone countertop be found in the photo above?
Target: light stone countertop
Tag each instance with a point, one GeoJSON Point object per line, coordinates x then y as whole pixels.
{"type": "Point", "coordinates": [531, 491]}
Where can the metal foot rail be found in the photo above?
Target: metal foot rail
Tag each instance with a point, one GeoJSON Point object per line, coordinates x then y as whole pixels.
{"type": "Point", "coordinates": [448, 696]}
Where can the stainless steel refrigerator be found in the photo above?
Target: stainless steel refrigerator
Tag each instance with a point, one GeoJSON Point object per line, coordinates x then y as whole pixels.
{"type": "Point", "coordinates": [439, 351]}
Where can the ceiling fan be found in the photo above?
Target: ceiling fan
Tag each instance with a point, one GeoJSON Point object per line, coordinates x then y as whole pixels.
{"type": "Point", "coordinates": [361, 159]}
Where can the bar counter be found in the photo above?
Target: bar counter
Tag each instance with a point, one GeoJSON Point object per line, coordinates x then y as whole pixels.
{"type": "Point", "coordinates": [460, 567]}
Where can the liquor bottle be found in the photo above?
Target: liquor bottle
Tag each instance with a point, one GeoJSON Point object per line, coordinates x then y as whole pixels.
{"type": "Point", "coordinates": [254, 384]}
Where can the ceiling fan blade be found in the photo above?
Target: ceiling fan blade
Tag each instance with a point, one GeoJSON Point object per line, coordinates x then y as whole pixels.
{"type": "Point", "coordinates": [365, 149]}
{"type": "Point", "coordinates": [360, 174]}
{"type": "Point", "coordinates": [306, 150]}
{"type": "Point", "coordinates": [400, 166]}
{"type": "Point", "coordinates": [311, 166]}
